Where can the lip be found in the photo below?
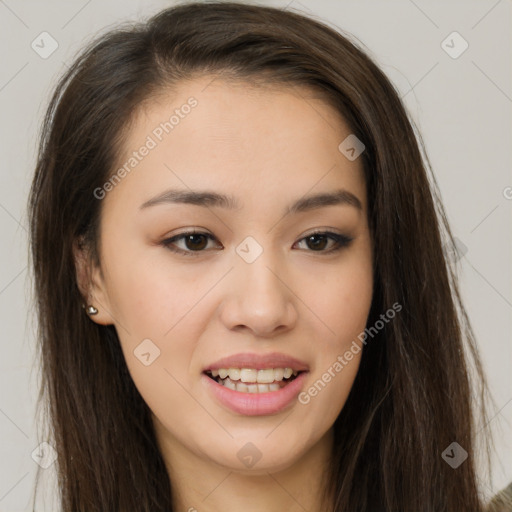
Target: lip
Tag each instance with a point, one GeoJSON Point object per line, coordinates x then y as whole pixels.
{"type": "Point", "coordinates": [259, 362]}
{"type": "Point", "coordinates": [255, 404]}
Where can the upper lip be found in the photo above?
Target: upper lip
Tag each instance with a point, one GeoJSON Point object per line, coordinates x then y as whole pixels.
{"type": "Point", "coordinates": [259, 361]}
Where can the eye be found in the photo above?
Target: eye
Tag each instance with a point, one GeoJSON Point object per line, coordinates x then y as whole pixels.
{"type": "Point", "coordinates": [318, 240]}
{"type": "Point", "coordinates": [197, 241]}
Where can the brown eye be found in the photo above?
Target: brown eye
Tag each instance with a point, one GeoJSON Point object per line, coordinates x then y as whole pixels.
{"type": "Point", "coordinates": [194, 242]}
{"type": "Point", "coordinates": [317, 242]}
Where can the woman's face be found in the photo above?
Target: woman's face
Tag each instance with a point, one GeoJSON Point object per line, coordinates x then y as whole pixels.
{"type": "Point", "coordinates": [252, 289]}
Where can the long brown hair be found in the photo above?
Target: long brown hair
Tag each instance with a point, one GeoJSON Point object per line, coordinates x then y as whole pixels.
{"type": "Point", "coordinates": [412, 396]}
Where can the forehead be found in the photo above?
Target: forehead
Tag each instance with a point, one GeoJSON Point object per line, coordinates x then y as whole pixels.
{"type": "Point", "coordinates": [211, 133]}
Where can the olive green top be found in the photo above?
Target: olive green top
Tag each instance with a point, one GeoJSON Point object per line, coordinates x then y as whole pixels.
{"type": "Point", "coordinates": [502, 501]}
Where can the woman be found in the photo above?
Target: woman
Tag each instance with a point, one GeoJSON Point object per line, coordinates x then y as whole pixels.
{"type": "Point", "coordinates": [242, 292]}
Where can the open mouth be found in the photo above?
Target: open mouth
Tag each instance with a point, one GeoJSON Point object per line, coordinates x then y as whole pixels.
{"type": "Point", "coordinates": [251, 380]}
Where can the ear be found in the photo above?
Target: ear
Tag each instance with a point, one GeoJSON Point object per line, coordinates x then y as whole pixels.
{"type": "Point", "coordinates": [91, 283]}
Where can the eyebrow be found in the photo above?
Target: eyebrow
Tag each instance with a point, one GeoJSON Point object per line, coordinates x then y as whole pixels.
{"type": "Point", "coordinates": [213, 199]}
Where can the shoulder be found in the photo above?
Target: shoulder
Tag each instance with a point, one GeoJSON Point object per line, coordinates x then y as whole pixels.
{"type": "Point", "coordinates": [502, 501]}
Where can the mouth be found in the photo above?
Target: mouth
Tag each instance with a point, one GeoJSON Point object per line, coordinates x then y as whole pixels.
{"type": "Point", "coordinates": [253, 380]}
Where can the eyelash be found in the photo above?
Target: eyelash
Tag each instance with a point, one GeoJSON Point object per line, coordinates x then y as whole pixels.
{"type": "Point", "coordinates": [342, 241]}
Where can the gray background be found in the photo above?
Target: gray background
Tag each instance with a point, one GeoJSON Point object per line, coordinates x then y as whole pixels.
{"type": "Point", "coordinates": [462, 107]}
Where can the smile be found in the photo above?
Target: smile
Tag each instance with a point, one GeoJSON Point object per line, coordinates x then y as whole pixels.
{"type": "Point", "coordinates": [254, 398]}
{"type": "Point", "coordinates": [252, 380]}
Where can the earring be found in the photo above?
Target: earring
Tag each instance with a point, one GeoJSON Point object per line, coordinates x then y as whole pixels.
{"type": "Point", "coordinates": [91, 310]}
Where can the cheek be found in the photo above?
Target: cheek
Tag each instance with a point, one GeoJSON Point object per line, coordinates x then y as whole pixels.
{"type": "Point", "coordinates": [326, 392]}
{"type": "Point", "coordinates": [343, 301]}
{"type": "Point", "coordinates": [158, 321]}
{"type": "Point", "coordinates": [344, 304]}
{"type": "Point", "coordinates": [159, 365]}
{"type": "Point", "coordinates": [150, 298]}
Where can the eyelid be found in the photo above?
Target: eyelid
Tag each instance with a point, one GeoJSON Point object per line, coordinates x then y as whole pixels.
{"type": "Point", "coordinates": [340, 239]}
{"type": "Point", "coordinates": [167, 243]}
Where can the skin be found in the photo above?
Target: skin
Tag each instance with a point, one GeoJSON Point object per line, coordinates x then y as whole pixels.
{"type": "Point", "coordinates": [268, 147]}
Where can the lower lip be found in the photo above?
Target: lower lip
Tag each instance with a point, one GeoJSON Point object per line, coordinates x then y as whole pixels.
{"type": "Point", "coordinates": [256, 404]}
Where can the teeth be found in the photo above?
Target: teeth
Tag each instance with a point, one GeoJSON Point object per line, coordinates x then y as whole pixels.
{"type": "Point", "coordinates": [240, 386]}
{"type": "Point", "coordinates": [278, 373]}
{"type": "Point", "coordinates": [234, 373]}
{"type": "Point", "coordinates": [230, 384]}
{"type": "Point", "coordinates": [252, 375]}
{"type": "Point", "coordinates": [248, 375]}
{"type": "Point", "coordinates": [249, 388]}
{"type": "Point", "coordinates": [265, 376]}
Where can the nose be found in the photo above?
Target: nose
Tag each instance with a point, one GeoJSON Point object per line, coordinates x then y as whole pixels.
{"type": "Point", "coordinates": [260, 299]}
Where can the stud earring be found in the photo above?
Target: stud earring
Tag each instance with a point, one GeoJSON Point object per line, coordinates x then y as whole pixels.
{"type": "Point", "coordinates": [91, 310]}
